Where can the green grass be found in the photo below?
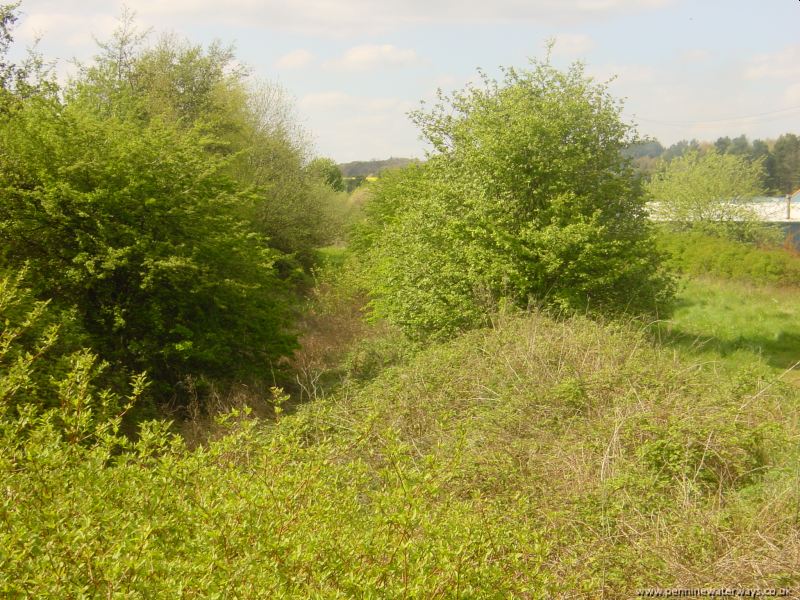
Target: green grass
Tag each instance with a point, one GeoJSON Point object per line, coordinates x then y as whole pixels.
{"type": "Point", "coordinates": [738, 303]}
{"type": "Point", "coordinates": [331, 256]}
{"type": "Point", "coordinates": [738, 322]}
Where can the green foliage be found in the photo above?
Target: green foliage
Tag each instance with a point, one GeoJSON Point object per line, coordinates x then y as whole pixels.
{"type": "Point", "coordinates": [27, 333]}
{"type": "Point", "coordinates": [739, 302]}
{"type": "Point", "coordinates": [779, 158]}
{"type": "Point", "coordinates": [740, 323]}
{"type": "Point", "coordinates": [371, 356]}
{"type": "Point", "coordinates": [8, 18]}
{"type": "Point", "coordinates": [697, 254]}
{"type": "Point", "coordinates": [138, 226]}
{"type": "Point", "coordinates": [255, 512]}
{"type": "Point", "coordinates": [360, 169]}
{"type": "Point", "coordinates": [647, 148]}
{"type": "Point", "coordinates": [527, 198]}
{"type": "Point", "coordinates": [295, 211]}
{"type": "Point", "coordinates": [680, 148]}
{"type": "Point", "coordinates": [325, 169]}
{"type": "Point", "coordinates": [786, 154]}
{"type": "Point", "coordinates": [251, 124]}
{"type": "Point", "coordinates": [709, 192]}
{"type": "Point", "coordinates": [631, 453]}
{"type": "Point", "coordinates": [48, 385]}
{"type": "Point", "coordinates": [709, 456]}
{"type": "Point", "coordinates": [31, 77]}
{"type": "Point", "coordinates": [353, 183]}
{"type": "Point", "coordinates": [254, 515]}
{"type": "Point", "coordinates": [538, 459]}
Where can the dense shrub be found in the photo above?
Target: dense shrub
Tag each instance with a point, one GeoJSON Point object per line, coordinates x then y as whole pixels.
{"type": "Point", "coordinates": [249, 122]}
{"type": "Point", "coordinates": [163, 197]}
{"type": "Point", "coordinates": [526, 198]}
{"type": "Point", "coordinates": [256, 512]}
{"type": "Point", "coordinates": [29, 333]}
{"type": "Point", "coordinates": [698, 253]}
{"type": "Point", "coordinates": [138, 227]}
{"type": "Point", "coordinates": [49, 386]}
{"type": "Point", "coordinates": [709, 192]}
{"type": "Point", "coordinates": [538, 459]}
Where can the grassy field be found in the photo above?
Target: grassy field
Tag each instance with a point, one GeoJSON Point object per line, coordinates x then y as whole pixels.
{"type": "Point", "coordinates": [737, 322]}
{"type": "Point", "coordinates": [738, 303]}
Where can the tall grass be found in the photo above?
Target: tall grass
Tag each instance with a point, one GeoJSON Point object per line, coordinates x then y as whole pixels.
{"type": "Point", "coordinates": [642, 468]}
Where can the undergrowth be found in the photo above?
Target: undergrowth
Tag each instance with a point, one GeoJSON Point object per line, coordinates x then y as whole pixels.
{"type": "Point", "coordinates": [541, 458]}
{"type": "Point", "coordinates": [699, 254]}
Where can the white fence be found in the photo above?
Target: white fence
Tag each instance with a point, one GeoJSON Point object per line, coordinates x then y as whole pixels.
{"type": "Point", "coordinates": [771, 210]}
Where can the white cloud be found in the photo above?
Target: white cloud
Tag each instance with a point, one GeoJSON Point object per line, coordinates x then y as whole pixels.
{"type": "Point", "coordinates": [325, 100]}
{"type": "Point", "coordinates": [343, 17]}
{"type": "Point", "coordinates": [695, 55]}
{"type": "Point", "coordinates": [81, 28]}
{"type": "Point", "coordinates": [335, 100]}
{"type": "Point", "coordinates": [369, 57]}
{"type": "Point", "coordinates": [603, 6]}
{"type": "Point", "coordinates": [296, 59]}
{"type": "Point", "coordinates": [572, 45]}
{"type": "Point", "coordinates": [783, 64]}
{"type": "Point", "coordinates": [351, 127]}
{"type": "Point", "coordinates": [624, 74]}
{"type": "Point", "coordinates": [791, 96]}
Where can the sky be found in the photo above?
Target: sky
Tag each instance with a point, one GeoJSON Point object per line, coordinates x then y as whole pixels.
{"type": "Point", "coordinates": [355, 68]}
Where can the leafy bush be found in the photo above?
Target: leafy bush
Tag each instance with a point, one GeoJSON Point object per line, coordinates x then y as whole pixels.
{"type": "Point", "coordinates": [709, 192]}
{"type": "Point", "coordinates": [48, 385]}
{"type": "Point", "coordinates": [252, 516]}
{"type": "Point", "coordinates": [698, 253]}
{"type": "Point", "coordinates": [250, 123]}
{"type": "Point", "coordinates": [256, 512]}
{"type": "Point", "coordinates": [136, 196]}
{"type": "Point", "coordinates": [527, 198]}
{"type": "Point", "coordinates": [139, 228]}
{"type": "Point", "coordinates": [26, 332]}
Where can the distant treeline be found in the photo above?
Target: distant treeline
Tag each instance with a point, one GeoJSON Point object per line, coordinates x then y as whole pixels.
{"type": "Point", "coordinates": [780, 157]}
{"type": "Point", "coordinates": [365, 168]}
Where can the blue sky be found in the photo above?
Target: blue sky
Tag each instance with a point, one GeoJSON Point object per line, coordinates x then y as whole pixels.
{"type": "Point", "coordinates": [354, 68]}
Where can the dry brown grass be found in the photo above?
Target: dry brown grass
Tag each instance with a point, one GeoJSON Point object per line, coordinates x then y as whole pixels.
{"type": "Point", "coordinates": [333, 321]}
{"type": "Point", "coordinates": [647, 469]}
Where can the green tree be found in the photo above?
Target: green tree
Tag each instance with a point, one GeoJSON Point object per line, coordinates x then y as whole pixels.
{"type": "Point", "coordinates": [8, 18]}
{"type": "Point", "coordinates": [141, 229]}
{"type": "Point", "coordinates": [709, 191]}
{"type": "Point", "coordinates": [680, 148]}
{"type": "Point", "coordinates": [252, 124]}
{"type": "Point", "coordinates": [760, 151]}
{"type": "Point", "coordinates": [647, 148]}
{"type": "Point", "coordinates": [31, 77]}
{"type": "Point", "coordinates": [787, 163]}
{"type": "Point", "coordinates": [740, 146]}
{"type": "Point", "coordinates": [723, 144]}
{"type": "Point", "coordinates": [325, 169]}
{"type": "Point", "coordinates": [525, 198]}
